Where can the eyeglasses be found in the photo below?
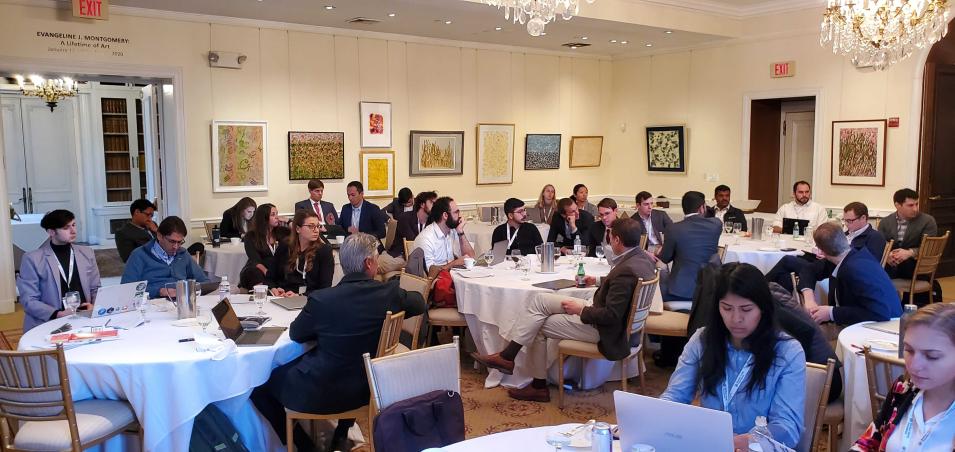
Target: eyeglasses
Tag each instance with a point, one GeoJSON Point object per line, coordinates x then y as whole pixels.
{"type": "Point", "coordinates": [174, 242]}
{"type": "Point", "coordinates": [849, 220]}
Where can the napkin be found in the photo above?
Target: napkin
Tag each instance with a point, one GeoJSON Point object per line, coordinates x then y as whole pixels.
{"type": "Point", "coordinates": [219, 348]}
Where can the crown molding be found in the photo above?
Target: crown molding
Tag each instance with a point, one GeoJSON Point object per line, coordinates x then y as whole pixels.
{"type": "Point", "coordinates": [735, 12]}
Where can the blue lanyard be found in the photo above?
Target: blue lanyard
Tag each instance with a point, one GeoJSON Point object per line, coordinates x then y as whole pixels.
{"type": "Point", "coordinates": [907, 432]}
{"type": "Point", "coordinates": [729, 393]}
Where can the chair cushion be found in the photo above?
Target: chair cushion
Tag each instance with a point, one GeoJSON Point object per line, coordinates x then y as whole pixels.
{"type": "Point", "coordinates": [446, 317]}
{"type": "Point", "coordinates": [579, 348]}
{"type": "Point", "coordinates": [835, 412]}
{"type": "Point", "coordinates": [678, 305]}
{"type": "Point", "coordinates": [904, 285]}
{"type": "Point", "coordinates": [667, 323]}
{"type": "Point", "coordinates": [94, 419]}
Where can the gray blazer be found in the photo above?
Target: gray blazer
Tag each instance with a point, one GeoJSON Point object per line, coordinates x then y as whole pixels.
{"type": "Point", "coordinates": [39, 282]}
{"type": "Point", "coordinates": [689, 244]}
{"type": "Point", "coordinates": [922, 224]}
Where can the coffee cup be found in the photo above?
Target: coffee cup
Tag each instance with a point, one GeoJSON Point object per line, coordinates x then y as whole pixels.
{"type": "Point", "coordinates": [468, 263]}
{"type": "Point", "coordinates": [340, 239]}
{"type": "Point", "coordinates": [235, 240]}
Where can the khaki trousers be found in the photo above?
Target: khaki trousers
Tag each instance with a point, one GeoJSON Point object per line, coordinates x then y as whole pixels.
{"type": "Point", "coordinates": [545, 319]}
{"type": "Point", "coordinates": [387, 263]}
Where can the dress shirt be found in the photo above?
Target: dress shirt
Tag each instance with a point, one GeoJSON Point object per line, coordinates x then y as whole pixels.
{"type": "Point", "coordinates": [317, 207]}
{"type": "Point", "coordinates": [719, 213]}
{"type": "Point", "coordinates": [782, 400]}
{"type": "Point", "coordinates": [438, 247]}
{"type": "Point", "coordinates": [648, 229]}
{"type": "Point", "coordinates": [942, 430]}
{"type": "Point", "coordinates": [852, 235]}
{"type": "Point", "coordinates": [356, 216]}
{"type": "Point", "coordinates": [812, 211]}
{"type": "Point", "coordinates": [161, 253]}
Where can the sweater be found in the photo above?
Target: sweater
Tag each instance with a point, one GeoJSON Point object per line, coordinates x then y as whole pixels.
{"type": "Point", "coordinates": [143, 265]}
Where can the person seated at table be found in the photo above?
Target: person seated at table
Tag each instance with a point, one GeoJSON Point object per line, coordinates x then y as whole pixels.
{"type": "Point", "coordinates": [801, 208]}
{"type": "Point", "coordinates": [690, 244]}
{"type": "Point", "coordinates": [410, 224]}
{"type": "Point", "coordinates": [55, 268]}
{"type": "Point", "coordinates": [742, 364]}
{"type": "Point", "coordinates": [403, 203]}
{"type": "Point", "coordinates": [859, 290]}
{"type": "Point", "coordinates": [655, 222]}
{"type": "Point", "coordinates": [556, 316]}
{"type": "Point", "coordinates": [600, 231]}
{"type": "Point", "coordinates": [724, 211]}
{"type": "Point", "coordinates": [440, 238]}
{"type": "Point", "coordinates": [360, 215]}
{"type": "Point", "coordinates": [261, 242]}
{"type": "Point", "coordinates": [345, 321]}
{"type": "Point", "coordinates": [547, 203]}
{"type": "Point", "coordinates": [569, 223]}
{"type": "Point", "coordinates": [517, 232]}
{"type": "Point", "coordinates": [237, 219]}
{"type": "Point", "coordinates": [907, 227]}
{"type": "Point", "coordinates": [323, 209]}
{"type": "Point", "coordinates": [919, 412]}
{"type": "Point", "coordinates": [139, 230]}
{"type": "Point", "coordinates": [580, 198]}
{"type": "Point", "coordinates": [163, 260]}
{"type": "Point", "coordinates": [302, 263]}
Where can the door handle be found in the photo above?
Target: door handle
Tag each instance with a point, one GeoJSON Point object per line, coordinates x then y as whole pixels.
{"type": "Point", "coordinates": [30, 198]}
{"type": "Point", "coordinates": [935, 198]}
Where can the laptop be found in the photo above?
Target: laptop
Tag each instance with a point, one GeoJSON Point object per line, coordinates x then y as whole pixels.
{"type": "Point", "coordinates": [115, 299]}
{"type": "Point", "coordinates": [671, 426]}
{"type": "Point", "coordinates": [889, 326]}
{"type": "Point", "coordinates": [291, 303]}
{"type": "Point", "coordinates": [232, 328]}
{"type": "Point", "coordinates": [500, 252]}
{"type": "Point", "coordinates": [790, 223]}
{"type": "Point", "coordinates": [535, 214]}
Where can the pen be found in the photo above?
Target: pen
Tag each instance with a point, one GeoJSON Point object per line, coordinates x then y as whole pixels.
{"type": "Point", "coordinates": [188, 339]}
{"type": "Point", "coordinates": [107, 322]}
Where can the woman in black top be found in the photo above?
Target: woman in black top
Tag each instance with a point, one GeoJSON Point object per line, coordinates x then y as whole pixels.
{"type": "Point", "coordinates": [237, 219]}
{"type": "Point", "coordinates": [302, 261]}
{"type": "Point", "coordinates": [260, 247]}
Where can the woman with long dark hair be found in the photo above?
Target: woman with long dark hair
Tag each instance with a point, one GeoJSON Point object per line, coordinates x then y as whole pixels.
{"type": "Point", "coordinates": [261, 242]}
{"type": "Point", "coordinates": [742, 363]}
{"type": "Point", "coordinates": [580, 197]}
{"type": "Point", "coordinates": [302, 263]}
{"type": "Point", "coordinates": [236, 220]}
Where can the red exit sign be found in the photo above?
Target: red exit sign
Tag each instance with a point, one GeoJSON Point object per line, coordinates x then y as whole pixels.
{"type": "Point", "coordinates": [784, 69]}
{"type": "Point", "coordinates": [91, 9]}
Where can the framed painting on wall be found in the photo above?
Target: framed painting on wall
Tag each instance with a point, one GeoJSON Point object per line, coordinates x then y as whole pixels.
{"type": "Point", "coordinates": [585, 151]}
{"type": "Point", "coordinates": [436, 153]}
{"type": "Point", "coordinates": [378, 173]}
{"type": "Point", "coordinates": [239, 161]}
{"type": "Point", "coordinates": [375, 124]}
{"type": "Point", "coordinates": [542, 151]}
{"type": "Point", "coordinates": [495, 154]}
{"type": "Point", "coordinates": [858, 152]}
{"type": "Point", "coordinates": [316, 155]}
{"type": "Point", "coordinates": [666, 149]}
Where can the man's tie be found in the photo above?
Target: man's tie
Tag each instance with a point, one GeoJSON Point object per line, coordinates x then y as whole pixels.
{"type": "Point", "coordinates": [318, 211]}
{"type": "Point", "coordinates": [607, 236]}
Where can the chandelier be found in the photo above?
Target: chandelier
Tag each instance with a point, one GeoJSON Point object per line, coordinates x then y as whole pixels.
{"type": "Point", "coordinates": [880, 33]}
{"type": "Point", "coordinates": [536, 13]}
{"type": "Point", "coordinates": [50, 90]}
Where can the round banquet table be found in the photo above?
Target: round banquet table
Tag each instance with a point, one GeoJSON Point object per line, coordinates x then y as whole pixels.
{"type": "Point", "coordinates": [229, 259]}
{"type": "Point", "coordinates": [492, 305]}
{"type": "Point", "coordinates": [763, 254]}
{"type": "Point", "coordinates": [523, 440]}
{"type": "Point", "coordinates": [479, 234]}
{"type": "Point", "coordinates": [168, 382]}
{"type": "Point", "coordinates": [855, 383]}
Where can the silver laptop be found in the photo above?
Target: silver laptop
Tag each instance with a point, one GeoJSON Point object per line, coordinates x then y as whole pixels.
{"type": "Point", "coordinates": [889, 326]}
{"type": "Point", "coordinates": [291, 303]}
{"type": "Point", "coordinates": [670, 426]}
{"type": "Point", "coordinates": [116, 299]}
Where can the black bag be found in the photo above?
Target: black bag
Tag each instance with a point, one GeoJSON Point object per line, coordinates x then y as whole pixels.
{"type": "Point", "coordinates": [435, 419]}
{"type": "Point", "coordinates": [212, 431]}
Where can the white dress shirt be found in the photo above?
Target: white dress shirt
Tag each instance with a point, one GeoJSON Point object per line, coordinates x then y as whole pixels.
{"type": "Point", "coordinates": [812, 211]}
{"type": "Point", "coordinates": [939, 439]}
{"type": "Point", "coordinates": [439, 248]}
{"type": "Point", "coordinates": [648, 229]}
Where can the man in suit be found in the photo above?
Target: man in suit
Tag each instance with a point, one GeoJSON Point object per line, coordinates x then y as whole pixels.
{"type": "Point", "coordinates": [360, 215]}
{"type": "Point", "coordinates": [906, 227]}
{"type": "Point", "coordinates": [324, 209]}
{"type": "Point", "coordinates": [55, 268]}
{"type": "Point", "coordinates": [690, 244]}
{"type": "Point", "coordinates": [600, 231]}
{"type": "Point", "coordinates": [555, 316]}
{"type": "Point", "coordinates": [410, 224]}
{"type": "Point", "coordinates": [330, 378]}
{"type": "Point", "coordinates": [517, 232]}
{"type": "Point", "coordinates": [859, 289]}
{"type": "Point", "coordinates": [139, 230]}
{"type": "Point", "coordinates": [654, 222]}
{"type": "Point", "coordinates": [726, 212]}
{"type": "Point", "coordinates": [568, 225]}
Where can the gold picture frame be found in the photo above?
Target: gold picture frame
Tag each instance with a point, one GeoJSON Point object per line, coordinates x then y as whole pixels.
{"type": "Point", "coordinates": [586, 151]}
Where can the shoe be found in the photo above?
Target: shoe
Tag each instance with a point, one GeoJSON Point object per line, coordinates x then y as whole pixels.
{"type": "Point", "coordinates": [530, 394]}
{"type": "Point", "coordinates": [494, 362]}
{"type": "Point", "coordinates": [662, 361]}
{"type": "Point", "coordinates": [340, 444]}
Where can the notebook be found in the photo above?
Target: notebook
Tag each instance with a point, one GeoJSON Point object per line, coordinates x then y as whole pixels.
{"type": "Point", "coordinates": [291, 303]}
{"type": "Point", "coordinates": [556, 284]}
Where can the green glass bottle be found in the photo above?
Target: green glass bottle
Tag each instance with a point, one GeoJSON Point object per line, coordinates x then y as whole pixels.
{"type": "Point", "coordinates": [580, 279]}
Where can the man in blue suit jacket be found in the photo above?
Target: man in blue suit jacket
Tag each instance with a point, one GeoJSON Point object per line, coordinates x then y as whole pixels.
{"type": "Point", "coordinates": [370, 218]}
{"type": "Point", "coordinates": [325, 210]}
{"type": "Point", "coordinates": [689, 244]}
{"type": "Point", "coordinates": [859, 290]}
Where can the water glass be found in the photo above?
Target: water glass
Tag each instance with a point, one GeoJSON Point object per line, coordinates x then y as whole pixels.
{"type": "Point", "coordinates": [599, 251]}
{"type": "Point", "coordinates": [141, 304]}
{"type": "Point", "coordinates": [204, 318]}
{"type": "Point", "coordinates": [488, 257]}
{"type": "Point", "coordinates": [525, 268]}
{"type": "Point", "coordinates": [737, 228]}
{"type": "Point", "coordinates": [727, 227]}
{"type": "Point", "coordinates": [260, 293]}
{"type": "Point", "coordinates": [72, 301]}
{"type": "Point", "coordinates": [516, 257]}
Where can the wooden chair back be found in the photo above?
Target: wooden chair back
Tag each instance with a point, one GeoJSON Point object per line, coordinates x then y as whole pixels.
{"type": "Point", "coordinates": [209, 226]}
{"type": "Point", "coordinates": [930, 254]}
{"type": "Point", "coordinates": [881, 371]}
{"type": "Point", "coordinates": [35, 386]}
{"type": "Point", "coordinates": [818, 383]}
{"type": "Point", "coordinates": [640, 305]}
{"type": "Point", "coordinates": [721, 253]}
{"type": "Point", "coordinates": [390, 333]}
{"type": "Point", "coordinates": [5, 343]}
{"type": "Point", "coordinates": [409, 246]}
{"type": "Point", "coordinates": [643, 241]}
{"type": "Point", "coordinates": [413, 283]}
{"type": "Point", "coordinates": [886, 251]}
{"type": "Point", "coordinates": [391, 228]}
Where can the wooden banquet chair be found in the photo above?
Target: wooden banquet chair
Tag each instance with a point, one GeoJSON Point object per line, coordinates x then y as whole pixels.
{"type": "Point", "coordinates": [930, 255]}
{"type": "Point", "coordinates": [412, 326]}
{"type": "Point", "coordinates": [209, 226]}
{"type": "Point", "coordinates": [881, 371]}
{"type": "Point", "coordinates": [391, 228]}
{"type": "Point", "coordinates": [886, 251]}
{"type": "Point", "coordinates": [818, 383]}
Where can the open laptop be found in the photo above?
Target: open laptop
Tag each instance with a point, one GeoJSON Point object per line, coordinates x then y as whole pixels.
{"type": "Point", "coordinates": [115, 299]}
{"type": "Point", "coordinates": [790, 223]}
{"type": "Point", "coordinates": [670, 426]}
{"type": "Point", "coordinates": [291, 303]}
{"type": "Point", "coordinates": [232, 328]}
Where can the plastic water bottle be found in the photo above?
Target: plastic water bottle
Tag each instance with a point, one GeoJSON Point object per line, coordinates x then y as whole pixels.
{"type": "Point", "coordinates": [224, 288]}
{"type": "Point", "coordinates": [577, 245]}
{"type": "Point", "coordinates": [759, 435]}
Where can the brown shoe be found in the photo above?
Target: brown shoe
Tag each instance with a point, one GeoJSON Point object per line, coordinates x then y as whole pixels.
{"type": "Point", "coordinates": [530, 394]}
{"type": "Point", "coordinates": [494, 362]}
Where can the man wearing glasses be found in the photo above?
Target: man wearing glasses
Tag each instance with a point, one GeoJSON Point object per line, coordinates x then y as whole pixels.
{"type": "Point", "coordinates": [163, 260]}
{"type": "Point", "coordinates": [517, 232]}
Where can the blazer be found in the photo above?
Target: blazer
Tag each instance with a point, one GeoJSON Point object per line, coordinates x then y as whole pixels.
{"type": "Point", "coordinates": [871, 240]}
{"type": "Point", "coordinates": [226, 228]}
{"type": "Point", "coordinates": [689, 244]}
{"type": "Point", "coordinates": [922, 224]}
{"type": "Point", "coordinates": [327, 208]}
{"type": "Point", "coordinates": [319, 277]}
{"type": "Point", "coordinates": [345, 322]}
{"type": "Point", "coordinates": [558, 235]}
{"type": "Point", "coordinates": [406, 229]}
{"type": "Point", "coordinates": [608, 314]}
{"type": "Point", "coordinates": [39, 282]}
{"type": "Point", "coordinates": [862, 291]}
{"type": "Point", "coordinates": [130, 237]}
{"type": "Point", "coordinates": [734, 215]}
{"type": "Point", "coordinates": [659, 220]}
{"type": "Point", "coordinates": [371, 221]}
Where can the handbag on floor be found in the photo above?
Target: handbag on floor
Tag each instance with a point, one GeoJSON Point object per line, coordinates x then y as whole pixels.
{"type": "Point", "coordinates": [434, 419]}
{"type": "Point", "coordinates": [212, 431]}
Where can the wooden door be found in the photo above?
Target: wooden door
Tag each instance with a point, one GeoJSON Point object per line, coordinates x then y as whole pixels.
{"type": "Point", "coordinates": [796, 162]}
{"type": "Point", "coordinates": [937, 186]}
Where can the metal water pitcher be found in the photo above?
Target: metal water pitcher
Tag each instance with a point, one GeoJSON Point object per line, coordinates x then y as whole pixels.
{"type": "Point", "coordinates": [757, 228]}
{"type": "Point", "coordinates": [547, 257]}
{"type": "Point", "coordinates": [186, 299]}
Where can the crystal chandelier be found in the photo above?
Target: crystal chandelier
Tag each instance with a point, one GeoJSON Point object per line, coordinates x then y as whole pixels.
{"type": "Point", "coordinates": [880, 33]}
{"type": "Point", "coordinates": [50, 90]}
{"type": "Point", "coordinates": [536, 13]}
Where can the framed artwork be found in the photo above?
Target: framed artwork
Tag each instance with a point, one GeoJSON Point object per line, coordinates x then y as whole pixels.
{"type": "Point", "coordinates": [585, 151]}
{"type": "Point", "coordinates": [316, 155]}
{"type": "Point", "coordinates": [542, 151]}
{"type": "Point", "coordinates": [435, 153]}
{"type": "Point", "coordinates": [666, 149]}
{"type": "Point", "coordinates": [239, 161]}
{"type": "Point", "coordinates": [378, 173]}
{"type": "Point", "coordinates": [858, 152]}
{"type": "Point", "coordinates": [375, 124]}
{"type": "Point", "coordinates": [495, 154]}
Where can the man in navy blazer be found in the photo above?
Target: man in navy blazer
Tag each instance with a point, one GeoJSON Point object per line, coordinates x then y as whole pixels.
{"type": "Point", "coordinates": [690, 244]}
{"type": "Point", "coordinates": [324, 209]}
{"type": "Point", "coordinates": [859, 290]}
{"type": "Point", "coordinates": [370, 218]}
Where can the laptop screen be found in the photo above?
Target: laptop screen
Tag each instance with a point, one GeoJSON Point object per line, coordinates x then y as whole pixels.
{"type": "Point", "coordinates": [227, 319]}
{"type": "Point", "coordinates": [790, 223]}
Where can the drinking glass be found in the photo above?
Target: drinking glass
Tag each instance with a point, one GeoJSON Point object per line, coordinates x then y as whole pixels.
{"type": "Point", "coordinates": [768, 233]}
{"type": "Point", "coordinates": [558, 440]}
{"type": "Point", "coordinates": [141, 304]}
{"type": "Point", "coordinates": [260, 294]}
{"type": "Point", "coordinates": [525, 268]}
{"type": "Point", "coordinates": [737, 228]}
{"type": "Point", "coordinates": [516, 257]}
{"type": "Point", "coordinates": [599, 250]}
{"type": "Point", "coordinates": [727, 227]}
{"type": "Point", "coordinates": [488, 257]}
{"type": "Point", "coordinates": [72, 301]}
{"type": "Point", "coordinates": [204, 318]}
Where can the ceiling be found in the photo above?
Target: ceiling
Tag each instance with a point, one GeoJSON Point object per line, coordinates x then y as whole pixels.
{"type": "Point", "coordinates": [470, 21]}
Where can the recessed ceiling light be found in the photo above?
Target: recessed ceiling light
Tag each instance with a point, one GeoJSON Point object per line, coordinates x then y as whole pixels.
{"type": "Point", "coordinates": [447, 22]}
{"type": "Point", "coordinates": [613, 41]}
{"type": "Point", "coordinates": [648, 45]}
{"type": "Point", "coordinates": [498, 28]}
{"type": "Point", "coordinates": [392, 14]}
{"type": "Point", "coordinates": [669, 32]}
{"type": "Point", "coordinates": [584, 38]}
{"type": "Point", "coordinates": [573, 47]}
{"type": "Point", "coordinates": [329, 7]}
{"type": "Point", "coordinates": [625, 42]}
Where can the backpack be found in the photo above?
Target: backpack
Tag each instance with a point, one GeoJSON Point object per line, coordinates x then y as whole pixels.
{"type": "Point", "coordinates": [212, 431]}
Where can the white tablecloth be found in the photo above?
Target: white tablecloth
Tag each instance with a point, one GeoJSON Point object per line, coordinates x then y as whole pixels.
{"type": "Point", "coordinates": [855, 383]}
{"type": "Point", "coordinates": [27, 233]}
{"type": "Point", "coordinates": [229, 259]}
{"type": "Point", "coordinates": [763, 254]}
{"type": "Point", "coordinates": [492, 305]}
{"type": "Point", "coordinates": [167, 382]}
{"type": "Point", "coordinates": [479, 234]}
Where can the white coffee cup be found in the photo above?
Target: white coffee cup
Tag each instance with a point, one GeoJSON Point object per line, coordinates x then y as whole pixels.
{"type": "Point", "coordinates": [468, 263]}
{"type": "Point", "coordinates": [235, 240]}
{"type": "Point", "coordinates": [340, 239]}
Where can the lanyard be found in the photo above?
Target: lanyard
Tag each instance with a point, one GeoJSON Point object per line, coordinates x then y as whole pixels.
{"type": "Point", "coordinates": [68, 279]}
{"type": "Point", "coordinates": [272, 247]}
{"type": "Point", "coordinates": [907, 433]}
{"type": "Point", "coordinates": [302, 268]}
{"type": "Point", "coordinates": [729, 393]}
{"type": "Point", "coordinates": [510, 239]}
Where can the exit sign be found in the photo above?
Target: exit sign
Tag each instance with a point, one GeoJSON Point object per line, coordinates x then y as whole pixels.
{"type": "Point", "coordinates": [784, 69]}
{"type": "Point", "coordinates": [91, 9]}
